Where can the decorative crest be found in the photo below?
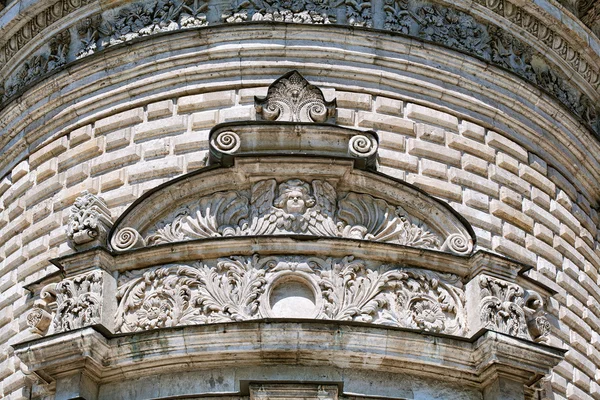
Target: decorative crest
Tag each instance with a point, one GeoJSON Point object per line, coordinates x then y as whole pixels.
{"type": "Point", "coordinates": [291, 98]}
{"type": "Point", "coordinates": [89, 221]}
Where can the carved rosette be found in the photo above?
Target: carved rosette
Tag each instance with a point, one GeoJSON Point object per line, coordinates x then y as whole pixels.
{"type": "Point", "coordinates": [89, 222]}
{"type": "Point", "coordinates": [298, 207]}
{"type": "Point", "coordinates": [239, 289]}
{"type": "Point", "coordinates": [291, 98]}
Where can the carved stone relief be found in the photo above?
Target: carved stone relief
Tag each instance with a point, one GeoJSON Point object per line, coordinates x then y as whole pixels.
{"type": "Point", "coordinates": [291, 98]}
{"type": "Point", "coordinates": [296, 11]}
{"type": "Point", "coordinates": [294, 207]}
{"type": "Point", "coordinates": [76, 302]}
{"type": "Point", "coordinates": [41, 64]}
{"type": "Point", "coordinates": [239, 288]}
{"type": "Point", "coordinates": [35, 25]}
{"type": "Point", "coordinates": [89, 221]}
{"type": "Point", "coordinates": [505, 307]}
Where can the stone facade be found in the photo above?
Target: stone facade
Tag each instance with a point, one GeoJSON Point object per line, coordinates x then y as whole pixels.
{"type": "Point", "coordinates": [482, 132]}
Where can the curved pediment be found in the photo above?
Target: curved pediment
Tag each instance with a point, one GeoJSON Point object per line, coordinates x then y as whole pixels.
{"type": "Point", "coordinates": [281, 195]}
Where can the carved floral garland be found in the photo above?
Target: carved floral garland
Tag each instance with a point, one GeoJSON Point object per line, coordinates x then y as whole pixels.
{"type": "Point", "coordinates": [234, 290]}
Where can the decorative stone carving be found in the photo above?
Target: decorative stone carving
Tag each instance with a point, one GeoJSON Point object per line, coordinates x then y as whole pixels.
{"type": "Point", "coordinates": [126, 239]}
{"type": "Point", "coordinates": [35, 25]}
{"type": "Point", "coordinates": [537, 322]}
{"type": "Point", "coordinates": [296, 11]}
{"type": "Point", "coordinates": [291, 98]}
{"type": "Point", "coordinates": [299, 207]}
{"type": "Point", "coordinates": [89, 221]}
{"type": "Point", "coordinates": [431, 21]}
{"type": "Point", "coordinates": [78, 301]}
{"type": "Point", "coordinates": [362, 146]}
{"type": "Point", "coordinates": [238, 288]}
{"type": "Point", "coordinates": [40, 64]}
{"type": "Point", "coordinates": [501, 307]}
{"type": "Point", "coordinates": [39, 319]}
{"type": "Point", "coordinates": [359, 13]}
{"type": "Point", "coordinates": [226, 142]}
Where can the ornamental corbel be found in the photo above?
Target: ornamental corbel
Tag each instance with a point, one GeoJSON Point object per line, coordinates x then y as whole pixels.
{"type": "Point", "coordinates": [89, 222]}
{"type": "Point", "coordinates": [537, 321]}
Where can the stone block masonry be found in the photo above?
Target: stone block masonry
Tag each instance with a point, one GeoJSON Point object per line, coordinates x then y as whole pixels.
{"type": "Point", "coordinates": [517, 201]}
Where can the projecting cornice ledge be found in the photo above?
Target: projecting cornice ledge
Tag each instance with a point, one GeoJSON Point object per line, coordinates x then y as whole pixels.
{"type": "Point", "coordinates": [103, 358]}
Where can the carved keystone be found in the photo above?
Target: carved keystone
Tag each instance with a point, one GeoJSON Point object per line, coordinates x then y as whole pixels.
{"type": "Point", "coordinates": [89, 222]}
{"type": "Point", "coordinates": [291, 98]}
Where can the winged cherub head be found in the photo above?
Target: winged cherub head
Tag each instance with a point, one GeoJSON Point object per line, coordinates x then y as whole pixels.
{"type": "Point", "coordinates": [294, 197]}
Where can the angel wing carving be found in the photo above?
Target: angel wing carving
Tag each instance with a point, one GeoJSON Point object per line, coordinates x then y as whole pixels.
{"type": "Point", "coordinates": [293, 207]}
{"type": "Point", "coordinates": [374, 219]}
{"type": "Point", "coordinates": [262, 218]}
{"type": "Point", "coordinates": [221, 214]}
{"type": "Point", "coordinates": [320, 218]}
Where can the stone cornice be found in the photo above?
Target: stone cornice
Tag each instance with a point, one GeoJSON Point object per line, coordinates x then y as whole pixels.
{"type": "Point", "coordinates": [107, 357]}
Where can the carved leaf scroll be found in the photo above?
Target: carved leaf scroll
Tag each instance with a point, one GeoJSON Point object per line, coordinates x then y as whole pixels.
{"type": "Point", "coordinates": [183, 295]}
{"type": "Point", "coordinates": [77, 303]}
{"type": "Point", "coordinates": [502, 307]}
{"type": "Point", "coordinates": [233, 289]}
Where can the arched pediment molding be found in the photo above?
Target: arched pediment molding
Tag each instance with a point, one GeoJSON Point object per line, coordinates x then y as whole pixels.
{"type": "Point", "coordinates": [286, 195]}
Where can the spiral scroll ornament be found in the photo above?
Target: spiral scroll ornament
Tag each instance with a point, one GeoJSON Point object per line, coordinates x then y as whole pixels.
{"type": "Point", "coordinates": [362, 146]}
{"type": "Point", "coordinates": [316, 111]}
{"type": "Point", "coordinates": [226, 142]}
{"type": "Point", "coordinates": [127, 238]}
{"type": "Point", "coordinates": [457, 243]}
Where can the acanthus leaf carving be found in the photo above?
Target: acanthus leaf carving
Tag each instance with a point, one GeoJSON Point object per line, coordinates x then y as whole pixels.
{"type": "Point", "coordinates": [295, 207]}
{"type": "Point", "coordinates": [502, 307]}
{"type": "Point", "coordinates": [291, 98]}
{"type": "Point", "coordinates": [183, 295]}
{"type": "Point", "coordinates": [76, 302]}
{"type": "Point", "coordinates": [237, 289]}
{"type": "Point", "coordinates": [89, 221]}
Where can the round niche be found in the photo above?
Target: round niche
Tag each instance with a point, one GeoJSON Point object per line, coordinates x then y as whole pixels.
{"type": "Point", "coordinates": [293, 295]}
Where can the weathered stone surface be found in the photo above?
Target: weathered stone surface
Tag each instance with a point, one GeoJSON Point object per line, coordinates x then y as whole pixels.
{"type": "Point", "coordinates": [491, 146]}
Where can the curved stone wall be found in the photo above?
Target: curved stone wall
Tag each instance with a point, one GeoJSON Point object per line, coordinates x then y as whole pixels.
{"type": "Point", "coordinates": [509, 157]}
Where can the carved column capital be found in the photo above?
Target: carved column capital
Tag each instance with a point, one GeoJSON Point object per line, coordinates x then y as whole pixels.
{"type": "Point", "coordinates": [82, 300]}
